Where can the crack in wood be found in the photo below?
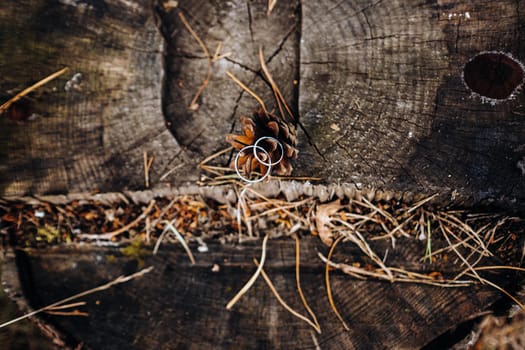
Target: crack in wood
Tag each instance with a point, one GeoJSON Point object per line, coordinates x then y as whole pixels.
{"type": "Point", "coordinates": [456, 43]}
{"type": "Point", "coordinates": [242, 65]}
{"type": "Point", "coordinates": [349, 155]}
{"type": "Point", "coordinates": [361, 11]}
{"type": "Point", "coordinates": [236, 106]}
{"type": "Point", "coordinates": [311, 141]}
{"type": "Point", "coordinates": [297, 82]}
{"type": "Point", "coordinates": [319, 62]}
{"type": "Point", "coordinates": [292, 29]}
{"type": "Point", "coordinates": [188, 56]}
{"type": "Point", "coordinates": [371, 35]}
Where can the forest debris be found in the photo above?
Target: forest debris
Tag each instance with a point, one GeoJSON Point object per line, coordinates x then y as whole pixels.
{"type": "Point", "coordinates": [396, 275]}
{"type": "Point", "coordinates": [277, 133]}
{"type": "Point", "coordinates": [455, 242]}
{"type": "Point", "coordinates": [252, 279]}
{"type": "Point", "coordinates": [167, 173]}
{"type": "Point", "coordinates": [329, 288]}
{"type": "Point", "coordinates": [147, 166]}
{"type": "Point", "coordinates": [169, 228]}
{"type": "Point", "coordinates": [455, 258]}
{"type": "Point", "coordinates": [67, 313]}
{"type": "Point", "coordinates": [247, 89]}
{"type": "Point", "coordinates": [56, 310]}
{"type": "Point", "coordinates": [271, 5]}
{"type": "Point", "coordinates": [283, 303]}
{"type": "Point", "coordinates": [218, 55]}
{"type": "Point", "coordinates": [110, 235]}
{"type": "Point", "coordinates": [494, 285]}
{"type": "Point", "coordinates": [170, 5]}
{"type": "Point", "coordinates": [193, 104]}
{"type": "Point", "coordinates": [449, 232]}
{"type": "Point", "coordinates": [298, 282]}
{"type": "Point", "coordinates": [279, 98]}
{"type": "Point", "coordinates": [323, 217]}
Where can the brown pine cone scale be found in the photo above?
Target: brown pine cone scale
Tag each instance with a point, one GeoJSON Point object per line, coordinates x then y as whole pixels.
{"type": "Point", "coordinates": [263, 124]}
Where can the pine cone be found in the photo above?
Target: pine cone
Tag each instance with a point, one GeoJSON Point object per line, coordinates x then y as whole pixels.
{"type": "Point", "coordinates": [265, 124]}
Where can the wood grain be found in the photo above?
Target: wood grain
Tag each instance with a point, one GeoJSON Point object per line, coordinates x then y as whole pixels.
{"type": "Point", "coordinates": [380, 95]}
{"type": "Point", "coordinates": [91, 136]}
{"type": "Point", "coordinates": [388, 75]}
{"type": "Point", "coordinates": [242, 28]}
{"type": "Point", "coordinates": [180, 306]}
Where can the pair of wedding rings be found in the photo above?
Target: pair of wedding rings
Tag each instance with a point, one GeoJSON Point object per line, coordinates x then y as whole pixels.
{"type": "Point", "coordinates": [255, 149]}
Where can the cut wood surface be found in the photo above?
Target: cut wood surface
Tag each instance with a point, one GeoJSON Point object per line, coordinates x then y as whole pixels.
{"type": "Point", "coordinates": [182, 306]}
{"type": "Point", "coordinates": [92, 125]}
{"type": "Point", "coordinates": [377, 86]}
{"type": "Point", "coordinates": [388, 75]}
{"type": "Point", "coordinates": [381, 102]}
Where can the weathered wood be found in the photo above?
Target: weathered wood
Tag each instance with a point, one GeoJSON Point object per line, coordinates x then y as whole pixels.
{"type": "Point", "coordinates": [90, 134]}
{"type": "Point", "coordinates": [388, 75]}
{"type": "Point", "coordinates": [179, 306]}
{"type": "Point", "coordinates": [24, 334]}
{"type": "Point", "coordinates": [381, 103]}
{"type": "Point", "coordinates": [381, 98]}
{"type": "Point", "coordinates": [242, 28]}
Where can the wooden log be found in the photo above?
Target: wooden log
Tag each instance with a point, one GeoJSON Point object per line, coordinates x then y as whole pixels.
{"type": "Point", "coordinates": [380, 92]}
{"type": "Point", "coordinates": [381, 96]}
{"type": "Point", "coordinates": [91, 126]}
{"type": "Point", "coordinates": [242, 29]}
{"type": "Point", "coordinates": [383, 101]}
{"type": "Point", "coordinates": [179, 305]}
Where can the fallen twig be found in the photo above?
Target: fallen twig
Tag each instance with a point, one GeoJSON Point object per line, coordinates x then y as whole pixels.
{"type": "Point", "coordinates": [147, 166]}
{"type": "Point", "coordinates": [193, 104]}
{"type": "Point", "coordinates": [279, 98]}
{"type": "Point", "coordinates": [298, 281]}
{"type": "Point", "coordinates": [494, 285]}
{"type": "Point", "coordinates": [252, 279]}
{"type": "Point", "coordinates": [400, 275]}
{"type": "Point", "coordinates": [271, 5]}
{"type": "Point", "coordinates": [110, 235]}
{"type": "Point", "coordinates": [30, 89]}
{"type": "Point", "coordinates": [283, 303]}
{"type": "Point", "coordinates": [169, 227]}
{"type": "Point", "coordinates": [118, 280]}
{"type": "Point", "coordinates": [327, 281]}
{"type": "Point", "coordinates": [245, 88]}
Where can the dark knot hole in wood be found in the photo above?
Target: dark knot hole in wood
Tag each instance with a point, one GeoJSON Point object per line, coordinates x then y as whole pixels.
{"type": "Point", "coordinates": [493, 75]}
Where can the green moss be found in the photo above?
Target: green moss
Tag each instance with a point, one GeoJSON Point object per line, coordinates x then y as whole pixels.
{"type": "Point", "coordinates": [48, 233]}
{"type": "Point", "coordinates": [136, 249]}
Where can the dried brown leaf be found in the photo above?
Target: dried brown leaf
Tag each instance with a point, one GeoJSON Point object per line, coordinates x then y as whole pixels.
{"type": "Point", "coordinates": [322, 220]}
